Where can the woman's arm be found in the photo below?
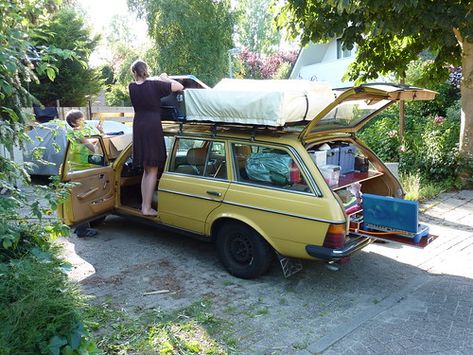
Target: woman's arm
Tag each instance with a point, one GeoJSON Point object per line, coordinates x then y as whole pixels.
{"type": "Point", "coordinates": [175, 85]}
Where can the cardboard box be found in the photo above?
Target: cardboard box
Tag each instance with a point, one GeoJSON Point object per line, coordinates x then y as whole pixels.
{"type": "Point", "coordinates": [115, 144]}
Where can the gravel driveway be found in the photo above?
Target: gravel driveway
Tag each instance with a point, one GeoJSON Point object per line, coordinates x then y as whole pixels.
{"type": "Point", "coordinates": [141, 267]}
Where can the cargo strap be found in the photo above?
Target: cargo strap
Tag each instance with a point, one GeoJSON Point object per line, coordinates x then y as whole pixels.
{"type": "Point", "coordinates": [306, 107]}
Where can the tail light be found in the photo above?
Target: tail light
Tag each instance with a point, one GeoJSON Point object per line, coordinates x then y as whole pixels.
{"type": "Point", "coordinates": [335, 237]}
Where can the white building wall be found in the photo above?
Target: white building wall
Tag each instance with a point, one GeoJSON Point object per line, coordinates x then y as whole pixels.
{"type": "Point", "coordinates": [331, 72]}
{"type": "Point", "coordinates": [319, 62]}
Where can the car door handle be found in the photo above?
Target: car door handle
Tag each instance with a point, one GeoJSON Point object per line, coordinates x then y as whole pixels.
{"type": "Point", "coordinates": [214, 193]}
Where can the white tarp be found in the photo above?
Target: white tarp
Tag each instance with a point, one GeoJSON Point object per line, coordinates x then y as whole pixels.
{"type": "Point", "coordinates": [258, 102]}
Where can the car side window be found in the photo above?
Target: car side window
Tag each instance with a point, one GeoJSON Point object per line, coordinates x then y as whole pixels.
{"type": "Point", "coordinates": [268, 166]}
{"type": "Point", "coordinates": [217, 163]}
{"type": "Point", "coordinates": [84, 153]}
{"type": "Point", "coordinates": [199, 157]}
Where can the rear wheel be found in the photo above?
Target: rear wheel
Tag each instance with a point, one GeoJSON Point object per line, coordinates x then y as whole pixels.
{"type": "Point", "coordinates": [243, 252]}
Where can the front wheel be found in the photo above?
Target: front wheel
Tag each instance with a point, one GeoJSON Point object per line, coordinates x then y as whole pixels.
{"type": "Point", "coordinates": [97, 222]}
{"type": "Point", "coordinates": [243, 252]}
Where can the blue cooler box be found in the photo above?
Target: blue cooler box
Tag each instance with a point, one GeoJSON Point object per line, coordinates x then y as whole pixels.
{"type": "Point", "coordinates": [390, 212]}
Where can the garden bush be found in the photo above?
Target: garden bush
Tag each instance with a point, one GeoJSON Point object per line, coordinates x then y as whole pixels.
{"type": "Point", "coordinates": [430, 143]}
{"type": "Point", "coordinates": [41, 309]}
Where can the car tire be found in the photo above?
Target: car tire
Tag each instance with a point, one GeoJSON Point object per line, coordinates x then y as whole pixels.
{"type": "Point", "coordinates": [97, 222]}
{"type": "Point", "coordinates": [243, 252]}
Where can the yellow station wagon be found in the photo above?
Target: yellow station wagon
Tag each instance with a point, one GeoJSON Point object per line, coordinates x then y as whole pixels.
{"type": "Point", "coordinates": [256, 191]}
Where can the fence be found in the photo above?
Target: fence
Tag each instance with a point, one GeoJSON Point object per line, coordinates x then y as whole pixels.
{"type": "Point", "coordinates": [119, 114]}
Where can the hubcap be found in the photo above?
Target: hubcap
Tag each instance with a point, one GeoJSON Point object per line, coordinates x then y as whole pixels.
{"type": "Point", "coordinates": [241, 250]}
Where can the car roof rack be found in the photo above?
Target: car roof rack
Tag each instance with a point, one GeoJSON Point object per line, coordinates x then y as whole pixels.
{"type": "Point", "coordinates": [215, 127]}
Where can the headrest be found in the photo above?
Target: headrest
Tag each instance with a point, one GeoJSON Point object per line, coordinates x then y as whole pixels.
{"type": "Point", "coordinates": [196, 156]}
{"type": "Point", "coordinates": [242, 150]}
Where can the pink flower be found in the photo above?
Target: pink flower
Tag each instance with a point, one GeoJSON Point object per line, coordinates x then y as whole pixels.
{"type": "Point", "coordinates": [439, 119]}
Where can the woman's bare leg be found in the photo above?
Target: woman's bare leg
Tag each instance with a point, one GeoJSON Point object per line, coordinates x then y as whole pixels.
{"type": "Point", "coordinates": [148, 183]}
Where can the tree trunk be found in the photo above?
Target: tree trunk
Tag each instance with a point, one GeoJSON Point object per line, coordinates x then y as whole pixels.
{"type": "Point", "coordinates": [466, 131]}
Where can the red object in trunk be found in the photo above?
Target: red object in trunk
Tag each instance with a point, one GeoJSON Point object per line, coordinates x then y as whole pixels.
{"type": "Point", "coordinates": [295, 174]}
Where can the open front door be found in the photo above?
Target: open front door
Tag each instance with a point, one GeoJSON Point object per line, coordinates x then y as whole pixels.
{"type": "Point", "coordinates": [93, 193]}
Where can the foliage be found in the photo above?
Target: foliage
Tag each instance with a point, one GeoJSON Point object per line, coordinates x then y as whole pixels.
{"type": "Point", "coordinates": [417, 189]}
{"type": "Point", "coordinates": [430, 144]}
{"type": "Point", "coordinates": [40, 309]}
{"type": "Point", "coordinates": [16, 67]}
{"type": "Point", "coordinates": [118, 95]}
{"type": "Point", "coordinates": [190, 37]}
{"type": "Point", "coordinates": [33, 292]}
{"type": "Point", "coordinates": [390, 34]}
{"type": "Point", "coordinates": [189, 330]}
{"type": "Point", "coordinates": [382, 135]}
{"type": "Point", "coordinates": [255, 26]}
{"type": "Point", "coordinates": [123, 45]}
{"type": "Point", "coordinates": [75, 81]}
{"type": "Point", "coordinates": [275, 66]}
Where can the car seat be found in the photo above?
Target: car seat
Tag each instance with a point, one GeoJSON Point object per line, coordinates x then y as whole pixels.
{"type": "Point", "coordinates": [195, 162]}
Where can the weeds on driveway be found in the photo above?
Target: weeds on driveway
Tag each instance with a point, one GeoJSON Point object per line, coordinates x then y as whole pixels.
{"type": "Point", "coordinates": [190, 330]}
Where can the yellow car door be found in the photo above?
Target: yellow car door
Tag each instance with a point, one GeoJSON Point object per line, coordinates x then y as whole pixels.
{"type": "Point", "coordinates": [194, 183]}
{"type": "Point", "coordinates": [93, 178]}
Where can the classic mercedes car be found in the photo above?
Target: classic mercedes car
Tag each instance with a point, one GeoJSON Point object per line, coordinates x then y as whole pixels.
{"type": "Point", "coordinates": [300, 189]}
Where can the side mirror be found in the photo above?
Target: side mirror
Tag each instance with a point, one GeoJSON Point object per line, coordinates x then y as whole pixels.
{"type": "Point", "coordinates": [96, 159]}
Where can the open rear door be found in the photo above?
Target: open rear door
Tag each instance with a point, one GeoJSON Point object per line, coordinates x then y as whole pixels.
{"type": "Point", "coordinates": [356, 106]}
{"type": "Point", "coordinates": [93, 193]}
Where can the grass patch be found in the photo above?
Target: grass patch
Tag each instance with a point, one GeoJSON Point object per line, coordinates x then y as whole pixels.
{"type": "Point", "coordinates": [417, 189]}
{"type": "Point", "coordinates": [40, 309]}
{"type": "Point", "coordinates": [190, 330]}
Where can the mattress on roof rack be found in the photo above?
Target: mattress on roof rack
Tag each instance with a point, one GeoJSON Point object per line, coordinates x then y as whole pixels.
{"type": "Point", "coordinates": [258, 102]}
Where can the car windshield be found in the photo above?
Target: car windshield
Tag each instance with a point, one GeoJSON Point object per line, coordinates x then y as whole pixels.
{"type": "Point", "coordinates": [349, 114]}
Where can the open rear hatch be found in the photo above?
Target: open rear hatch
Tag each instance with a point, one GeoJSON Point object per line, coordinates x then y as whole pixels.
{"type": "Point", "coordinates": [355, 107]}
{"type": "Point", "coordinates": [375, 215]}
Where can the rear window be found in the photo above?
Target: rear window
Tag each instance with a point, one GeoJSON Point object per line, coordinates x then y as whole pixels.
{"type": "Point", "coordinates": [268, 166]}
{"type": "Point", "coordinates": [349, 114]}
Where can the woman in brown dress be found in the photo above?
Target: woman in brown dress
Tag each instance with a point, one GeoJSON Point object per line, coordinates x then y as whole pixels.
{"type": "Point", "coordinates": [149, 150]}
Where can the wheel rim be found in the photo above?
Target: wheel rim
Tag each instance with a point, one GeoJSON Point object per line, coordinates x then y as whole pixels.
{"type": "Point", "coordinates": [240, 249]}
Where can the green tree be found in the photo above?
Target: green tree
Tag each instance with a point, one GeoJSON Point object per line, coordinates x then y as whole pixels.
{"type": "Point", "coordinates": [75, 82]}
{"type": "Point", "coordinates": [124, 47]}
{"type": "Point", "coordinates": [255, 26]}
{"type": "Point", "coordinates": [190, 37]}
{"type": "Point", "coordinates": [390, 34]}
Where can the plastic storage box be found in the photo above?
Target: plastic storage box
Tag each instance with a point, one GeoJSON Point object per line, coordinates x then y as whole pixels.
{"type": "Point", "coordinates": [347, 158]}
{"type": "Point", "coordinates": [319, 157]}
{"type": "Point", "coordinates": [333, 156]}
{"type": "Point", "coordinates": [331, 174]}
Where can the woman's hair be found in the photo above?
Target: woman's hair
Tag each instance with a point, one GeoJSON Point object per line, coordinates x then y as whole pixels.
{"type": "Point", "coordinates": [72, 117]}
{"type": "Point", "coordinates": [140, 68]}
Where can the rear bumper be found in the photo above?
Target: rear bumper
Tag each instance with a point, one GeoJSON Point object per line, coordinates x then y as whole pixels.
{"type": "Point", "coordinates": [329, 254]}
